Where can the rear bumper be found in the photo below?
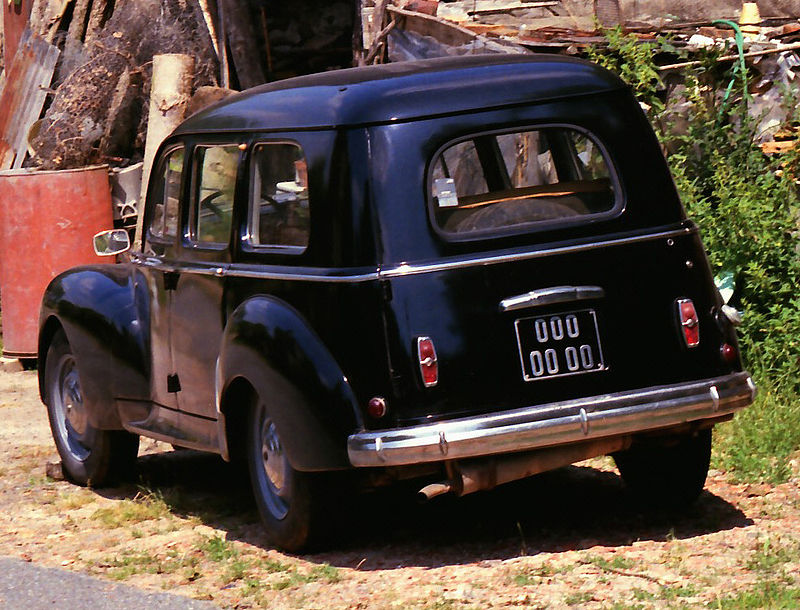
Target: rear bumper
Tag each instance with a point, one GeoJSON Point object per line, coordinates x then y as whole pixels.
{"type": "Point", "coordinates": [553, 424]}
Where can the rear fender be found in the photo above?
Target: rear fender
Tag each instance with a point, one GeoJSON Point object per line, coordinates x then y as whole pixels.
{"type": "Point", "coordinates": [269, 345]}
{"type": "Point", "coordinates": [97, 308]}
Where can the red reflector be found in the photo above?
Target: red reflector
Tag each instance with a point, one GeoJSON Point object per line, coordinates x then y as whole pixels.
{"type": "Point", "coordinates": [377, 407]}
{"type": "Point", "coordinates": [690, 325]}
{"type": "Point", "coordinates": [729, 353]}
{"type": "Point", "coordinates": [428, 364]}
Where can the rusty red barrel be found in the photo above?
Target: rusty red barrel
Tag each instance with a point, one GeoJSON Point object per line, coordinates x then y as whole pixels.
{"type": "Point", "coordinates": [47, 220]}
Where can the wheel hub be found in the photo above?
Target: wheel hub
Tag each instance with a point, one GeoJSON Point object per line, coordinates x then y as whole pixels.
{"type": "Point", "coordinates": [276, 470]}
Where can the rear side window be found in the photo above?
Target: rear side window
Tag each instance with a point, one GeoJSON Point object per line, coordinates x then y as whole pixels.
{"type": "Point", "coordinates": [279, 214]}
{"type": "Point", "coordinates": [518, 181]}
{"type": "Point", "coordinates": [164, 220]}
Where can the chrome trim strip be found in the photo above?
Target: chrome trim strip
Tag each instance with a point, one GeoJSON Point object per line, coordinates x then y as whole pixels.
{"type": "Point", "coordinates": [555, 423]}
{"type": "Point", "coordinates": [405, 269]}
{"type": "Point", "coordinates": [313, 275]}
{"type": "Point", "coordinates": [551, 296]}
{"type": "Point", "coordinates": [308, 277]}
{"type": "Point", "coordinates": [234, 270]}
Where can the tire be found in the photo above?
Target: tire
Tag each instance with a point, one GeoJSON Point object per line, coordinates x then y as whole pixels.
{"type": "Point", "coordinates": [287, 499]}
{"type": "Point", "coordinates": [89, 456]}
{"type": "Point", "coordinates": [669, 474]}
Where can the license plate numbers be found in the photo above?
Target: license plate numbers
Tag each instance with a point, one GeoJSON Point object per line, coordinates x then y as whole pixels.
{"type": "Point", "coordinates": [558, 345]}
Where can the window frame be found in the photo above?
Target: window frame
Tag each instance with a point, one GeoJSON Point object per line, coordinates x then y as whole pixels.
{"type": "Point", "coordinates": [536, 226]}
{"type": "Point", "coordinates": [246, 243]}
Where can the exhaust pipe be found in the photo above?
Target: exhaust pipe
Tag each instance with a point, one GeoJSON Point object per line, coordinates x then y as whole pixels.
{"type": "Point", "coordinates": [486, 473]}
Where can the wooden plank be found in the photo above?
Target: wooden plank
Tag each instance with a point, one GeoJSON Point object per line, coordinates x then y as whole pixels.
{"type": "Point", "coordinates": [513, 7]}
{"type": "Point", "coordinates": [442, 30]}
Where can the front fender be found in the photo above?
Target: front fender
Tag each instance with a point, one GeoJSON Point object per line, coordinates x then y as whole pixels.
{"type": "Point", "coordinates": [269, 343]}
{"type": "Point", "coordinates": [98, 309]}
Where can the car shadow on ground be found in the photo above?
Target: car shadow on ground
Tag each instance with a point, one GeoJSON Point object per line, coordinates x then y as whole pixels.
{"type": "Point", "coordinates": [573, 508]}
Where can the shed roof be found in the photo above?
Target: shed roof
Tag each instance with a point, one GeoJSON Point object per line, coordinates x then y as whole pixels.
{"type": "Point", "coordinates": [403, 91]}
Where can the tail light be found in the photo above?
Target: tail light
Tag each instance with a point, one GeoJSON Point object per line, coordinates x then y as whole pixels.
{"type": "Point", "coordinates": [428, 364]}
{"type": "Point", "coordinates": [690, 325]}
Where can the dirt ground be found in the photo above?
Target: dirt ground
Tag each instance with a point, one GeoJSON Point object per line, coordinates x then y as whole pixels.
{"type": "Point", "coordinates": [568, 538]}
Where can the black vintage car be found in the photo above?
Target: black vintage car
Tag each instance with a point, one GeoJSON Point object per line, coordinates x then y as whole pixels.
{"type": "Point", "coordinates": [463, 270]}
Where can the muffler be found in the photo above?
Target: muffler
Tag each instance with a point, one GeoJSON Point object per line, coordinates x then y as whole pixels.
{"type": "Point", "coordinates": [469, 476]}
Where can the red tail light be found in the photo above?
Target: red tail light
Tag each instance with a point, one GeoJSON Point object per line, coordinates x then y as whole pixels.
{"type": "Point", "coordinates": [428, 364]}
{"type": "Point", "coordinates": [690, 325]}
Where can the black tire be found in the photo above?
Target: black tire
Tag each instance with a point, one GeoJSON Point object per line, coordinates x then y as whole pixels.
{"type": "Point", "coordinates": [669, 473]}
{"type": "Point", "coordinates": [89, 456]}
{"type": "Point", "coordinates": [288, 500]}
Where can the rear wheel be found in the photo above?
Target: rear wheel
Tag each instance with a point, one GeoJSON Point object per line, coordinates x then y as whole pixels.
{"type": "Point", "coordinates": [287, 499]}
{"type": "Point", "coordinates": [89, 456]}
{"type": "Point", "coordinates": [669, 474]}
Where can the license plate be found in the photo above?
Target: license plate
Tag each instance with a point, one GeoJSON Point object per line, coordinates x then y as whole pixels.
{"type": "Point", "coordinates": [559, 345]}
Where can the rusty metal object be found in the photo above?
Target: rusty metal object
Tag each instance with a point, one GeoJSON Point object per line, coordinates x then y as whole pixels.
{"type": "Point", "coordinates": [15, 19]}
{"type": "Point", "coordinates": [23, 96]}
{"type": "Point", "coordinates": [47, 220]}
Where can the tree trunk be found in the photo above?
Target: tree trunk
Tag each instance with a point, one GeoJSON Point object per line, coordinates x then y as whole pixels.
{"type": "Point", "coordinates": [170, 93]}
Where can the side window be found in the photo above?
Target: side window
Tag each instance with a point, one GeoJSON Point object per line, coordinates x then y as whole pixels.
{"type": "Point", "coordinates": [164, 220]}
{"type": "Point", "coordinates": [514, 181]}
{"type": "Point", "coordinates": [279, 214]}
{"type": "Point", "coordinates": [213, 188]}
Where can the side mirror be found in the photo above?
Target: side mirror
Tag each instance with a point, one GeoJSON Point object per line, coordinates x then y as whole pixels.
{"type": "Point", "coordinates": [112, 242]}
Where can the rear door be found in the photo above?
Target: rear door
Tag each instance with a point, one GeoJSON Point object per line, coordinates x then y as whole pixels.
{"type": "Point", "coordinates": [572, 301]}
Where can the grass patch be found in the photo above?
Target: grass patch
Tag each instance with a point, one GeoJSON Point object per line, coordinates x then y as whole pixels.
{"type": "Point", "coordinates": [321, 573]}
{"type": "Point", "coordinates": [618, 562]}
{"type": "Point", "coordinates": [73, 500]}
{"type": "Point", "coordinates": [757, 445]}
{"type": "Point", "coordinates": [670, 593]}
{"type": "Point", "coordinates": [768, 557]}
{"type": "Point", "coordinates": [144, 507]}
{"type": "Point", "coordinates": [218, 549]}
{"type": "Point", "coordinates": [768, 594]}
{"type": "Point", "coordinates": [576, 599]}
{"type": "Point", "coordinates": [129, 564]}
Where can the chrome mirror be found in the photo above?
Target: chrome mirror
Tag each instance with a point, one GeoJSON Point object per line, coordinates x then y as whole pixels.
{"type": "Point", "coordinates": [112, 242]}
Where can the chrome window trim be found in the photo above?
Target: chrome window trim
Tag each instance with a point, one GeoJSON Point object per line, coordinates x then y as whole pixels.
{"type": "Point", "coordinates": [239, 270]}
{"type": "Point", "coordinates": [552, 424]}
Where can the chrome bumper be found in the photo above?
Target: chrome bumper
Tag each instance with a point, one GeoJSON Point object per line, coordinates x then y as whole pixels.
{"type": "Point", "coordinates": [552, 424]}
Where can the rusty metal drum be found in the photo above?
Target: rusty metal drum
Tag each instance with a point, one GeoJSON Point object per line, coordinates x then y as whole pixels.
{"type": "Point", "coordinates": [47, 220]}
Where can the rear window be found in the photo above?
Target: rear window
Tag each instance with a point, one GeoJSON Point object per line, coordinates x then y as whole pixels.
{"type": "Point", "coordinates": [508, 182]}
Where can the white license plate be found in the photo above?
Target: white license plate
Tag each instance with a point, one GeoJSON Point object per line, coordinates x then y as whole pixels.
{"type": "Point", "coordinates": [559, 344]}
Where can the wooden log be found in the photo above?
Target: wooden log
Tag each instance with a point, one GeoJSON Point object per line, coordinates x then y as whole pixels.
{"type": "Point", "coordinates": [242, 40]}
{"type": "Point", "coordinates": [46, 17]}
{"type": "Point", "coordinates": [170, 93]}
{"type": "Point", "coordinates": [688, 64]}
{"type": "Point", "coordinates": [97, 17]}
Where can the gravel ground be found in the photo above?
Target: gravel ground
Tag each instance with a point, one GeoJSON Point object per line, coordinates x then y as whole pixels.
{"type": "Point", "coordinates": [568, 538]}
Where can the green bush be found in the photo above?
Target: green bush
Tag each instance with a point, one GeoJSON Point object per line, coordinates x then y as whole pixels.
{"type": "Point", "coordinates": [746, 205]}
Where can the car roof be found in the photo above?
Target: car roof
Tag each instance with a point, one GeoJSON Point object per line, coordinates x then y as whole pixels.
{"type": "Point", "coordinates": [402, 91]}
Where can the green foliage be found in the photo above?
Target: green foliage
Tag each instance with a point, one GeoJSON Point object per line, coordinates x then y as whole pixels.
{"type": "Point", "coordinates": [633, 62]}
{"type": "Point", "coordinates": [746, 205]}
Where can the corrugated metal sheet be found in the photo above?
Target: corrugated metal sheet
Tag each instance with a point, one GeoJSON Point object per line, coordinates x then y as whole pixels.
{"type": "Point", "coordinates": [22, 98]}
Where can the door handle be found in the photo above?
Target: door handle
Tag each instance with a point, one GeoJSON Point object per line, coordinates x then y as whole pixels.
{"type": "Point", "coordinates": [551, 296]}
